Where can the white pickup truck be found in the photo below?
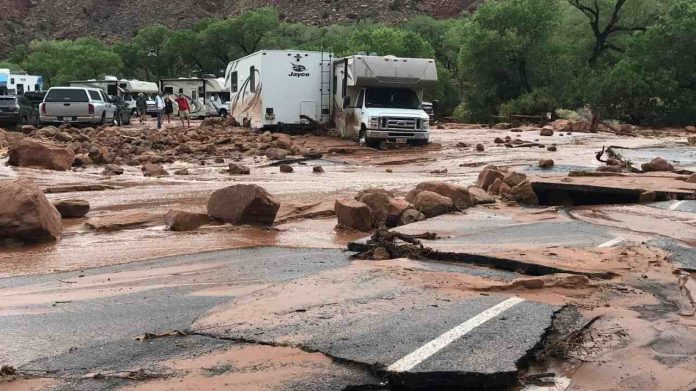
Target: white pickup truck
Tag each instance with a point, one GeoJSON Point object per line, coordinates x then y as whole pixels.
{"type": "Point", "coordinates": [76, 105]}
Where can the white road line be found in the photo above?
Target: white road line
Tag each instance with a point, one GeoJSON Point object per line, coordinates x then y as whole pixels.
{"type": "Point", "coordinates": [421, 354]}
{"type": "Point", "coordinates": [675, 205]}
{"type": "Point", "coordinates": [611, 243]}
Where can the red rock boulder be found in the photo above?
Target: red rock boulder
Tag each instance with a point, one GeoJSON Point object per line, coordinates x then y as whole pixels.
{"type": "Point", "coordinates": [28, 153]}
{"type": "Point", "coordinates": [26, 215]}
{"type": "Point", "coordinates": [243, 204]}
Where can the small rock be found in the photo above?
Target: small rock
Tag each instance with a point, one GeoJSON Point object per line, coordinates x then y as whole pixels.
{"type": "Point", "coordinates": [480, 147]}
{"type": "Point", "coordinates": [389, 170]}
{"type": "Point", "coordinates": [647, 197]}
{"type": "Point", "coordinates": [318, 169]}
{"type": "Point", "coordinates": [411, 216]}
{"type": "Point", "coordinates": [72, 208]}
{"type": "Point", "coordinates": [179, 220]}
{"type": "Point", "coordinates": [112, 169]}
{"type": "Point", "coordinates": [691, 178]}
{"type": "Point", "coordinates": [479, 196]}
{"type": "Point", "coordinates": [219, 160]}
{"type": "Point", "coordinates": [286, 168]}
{"type": "Point", "coordinates": [312, 155]}
{"type": "Point", "coordinates": [546, 131]}
{"type": "Point", "coordinates": [462, 145]}
{"type": "Point", "coordinates": [151, 170]}
{"type": "Point", "coordinates": [657, 164]}
{"type": "Point", "coordinates": [276, 154]}
{"type": "Point", "coordinates": [514, 178]}
{"type": "Point", "coordinates": [546, 163]}
{"type": "Point", "coordinates": [502, 126]}
{"type": "Point", "coordinates": [238, 169]}
{"type": "Point", "coordinates": [552, 148]}
{"type": "Point", "coordinates": [440, 171]}
{"type": "Point", "coordinates": [181, 171]}
{"type": "Point", "coordinates": [691, 140]}
{"type": "Point", "coordinates": [499, 140]}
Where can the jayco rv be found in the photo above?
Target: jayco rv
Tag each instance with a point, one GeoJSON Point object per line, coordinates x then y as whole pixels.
{"type": "Point", "coordinates": [279, 88]}
{"type": "Point", "coordinates": [208, 95]}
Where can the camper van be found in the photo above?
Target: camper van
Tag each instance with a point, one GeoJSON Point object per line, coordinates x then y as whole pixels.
{"type": "Point", "coordinates": [128, 90]}
{"type": "Point", "coordinates": [18, 83]}
{"type": "Point", "coordinates": [381, 98]}
{"type": "Point", "coordinates": [368, 98]}
{"type": "Point", "coordinates": [208, 95]}
{"type": "Point", "coordinates": [280, 88]}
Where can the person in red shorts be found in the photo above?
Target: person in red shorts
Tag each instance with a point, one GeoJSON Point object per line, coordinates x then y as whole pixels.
{"type": "Point", "coordinates": [184, 109]}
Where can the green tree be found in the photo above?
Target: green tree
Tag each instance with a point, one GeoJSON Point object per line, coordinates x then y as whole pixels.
{"type": "Point", "coordinates": [10, 65]}
{"type": "Point", "coordinates": [507, 50]}
{"type": "Point", "coordinates": [62, 61]}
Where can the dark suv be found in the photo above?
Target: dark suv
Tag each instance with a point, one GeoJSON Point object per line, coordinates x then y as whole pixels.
{"type": "Point", "coordinates": [16, 110]}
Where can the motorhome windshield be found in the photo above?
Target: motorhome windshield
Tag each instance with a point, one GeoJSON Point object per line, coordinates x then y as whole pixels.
{"type": "Point", "coordinates": [393, 98]}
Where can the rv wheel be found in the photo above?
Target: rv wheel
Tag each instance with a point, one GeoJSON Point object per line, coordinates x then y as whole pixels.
{"type": "Point", "coordinates": [223, 113]}
{"type": "Point", "coordinates": [362, 138]}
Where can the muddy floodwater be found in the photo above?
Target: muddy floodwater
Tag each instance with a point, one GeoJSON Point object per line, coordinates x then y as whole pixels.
{"type": "Point", "coordinates": [287, 308]}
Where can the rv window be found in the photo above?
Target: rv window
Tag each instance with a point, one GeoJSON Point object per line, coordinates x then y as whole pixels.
{"type": "Point", "coordinates": [181, 90]}
{"type": "Point", "coordinates": [63, 95]}
{"type": "Point", "coordinates": [335, 84]}
{"type": "Point", "coordinates": [168, 90]}
{"type": "Point", "coordinates": [12, 81]}
{"type": "Point", "coordinates": [396, 98]}
{"type": "Point", "coordinates": [95, 95]}
{"type": "Point", "coordinates": [36, 87]}
{"type": "Point", "coordinates": [252, 79]}
{"type": "Point", "coordinates": [234, 81]}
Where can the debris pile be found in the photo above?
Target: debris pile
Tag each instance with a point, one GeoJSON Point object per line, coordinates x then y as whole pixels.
{"type": "Point", "coordinates": [509, 185]}
{"type": "Point", "coordinates": [63, 146]}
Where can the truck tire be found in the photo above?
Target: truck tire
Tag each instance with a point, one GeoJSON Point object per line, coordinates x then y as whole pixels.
{"type": "Point", "coordinates": [102, 121]}
{"type": "Point", "coordinates": [362, 137]}
{"type": "Point", "coordinates": [223, 113]}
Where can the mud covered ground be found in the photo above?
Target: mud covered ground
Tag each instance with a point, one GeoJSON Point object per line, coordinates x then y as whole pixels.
{"type": "Point", "coordinates": [258, 332]}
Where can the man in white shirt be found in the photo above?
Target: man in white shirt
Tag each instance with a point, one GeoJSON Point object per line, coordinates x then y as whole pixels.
{"type": "Point", "coordinates": [159, 101]}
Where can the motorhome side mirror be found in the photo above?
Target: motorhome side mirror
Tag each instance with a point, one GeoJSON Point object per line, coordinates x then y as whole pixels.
{"type": "Point", "coordinates": [346, 101]}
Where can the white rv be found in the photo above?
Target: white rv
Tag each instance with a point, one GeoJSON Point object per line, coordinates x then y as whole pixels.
{"type": "Point", "coordinates": [280, 88]}
{"type": "Point", "coordinates": [368, 98]}
{"type": "Point", "coordinates": [208, 95]}
{"type": "Point", "coordinates": [126, 89]}
{"type": "Point", "coordinates": [17, 83]}
{"type": "Point", "coordinates": [380, 98]}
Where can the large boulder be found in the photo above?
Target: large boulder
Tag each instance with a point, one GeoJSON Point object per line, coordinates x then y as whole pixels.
{"type": "Point", "coordinates": [458, 194]}
{"type": "Point", "coordinates": [179, 220]}
{"type": "Point", "coordinates": [514, 178]}
{"type": "Point", "coordinates": [70, 209]}
{"type": "Point", "coordinates": [657, 164]}
{"type": "Point", "coordinates": [276, 154]}
{"type": "Point", "coordinates": [487, 176]}
{"type": "Point", "coordinates": [546, 131]}
{"type": "Point", "coordinates": [353, 214]}
{"type": "Point", "coordinates": [243, 204]}
{"type": "Point", "coordinates": [26, 215]}
{"type": "Point", "coordinates": [378, 202]}
{"type": "Point", "coordinates": [28, 153]}
{"type": "Point", "coordinates": [432, 204]}
{"type": "Point", "coordinates": [411, 216]}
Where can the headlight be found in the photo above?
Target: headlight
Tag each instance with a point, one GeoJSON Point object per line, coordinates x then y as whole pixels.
{"type": "Point", "coordinates": [374, 122]}
{"type": "Point", "coordinates": [426, 124]}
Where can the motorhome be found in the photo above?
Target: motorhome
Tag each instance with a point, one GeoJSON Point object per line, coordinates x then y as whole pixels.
{"type": "Point", "coordinates": [208, 95]}
{"type": "Point", "coordinates": [381, 98]}
{"type": "Point", "coordinates": [18, 83]}
{"type": "Point", "coordinates": [280, 88]}
{"type": "Point", "coordinates": [128, 90]}
{"type": "Point", "coordinates": [367, 97]}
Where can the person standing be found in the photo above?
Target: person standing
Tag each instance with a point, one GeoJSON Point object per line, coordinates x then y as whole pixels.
{"type": "Point", "coordinates": [184, 109]}
{"type": "Point", "coordinates": [168, 108]}
{"type": "Point", "coordinates": [159, 101]}
{"type": "Point", "coordinates": [141, 107]}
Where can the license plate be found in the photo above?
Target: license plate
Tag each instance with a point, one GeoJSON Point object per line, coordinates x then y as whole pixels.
{"type": "Point", "coordinates": [401, 140]}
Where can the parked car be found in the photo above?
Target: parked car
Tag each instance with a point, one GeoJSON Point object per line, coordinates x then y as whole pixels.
{"type": "Point", "coordinates": [77, 105]}
{"type": "Point", "coordinates": [16, 110]}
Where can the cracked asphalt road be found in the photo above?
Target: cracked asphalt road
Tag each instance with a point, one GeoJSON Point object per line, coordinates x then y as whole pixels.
{"type": "Point", "coordinates": [359, 315]}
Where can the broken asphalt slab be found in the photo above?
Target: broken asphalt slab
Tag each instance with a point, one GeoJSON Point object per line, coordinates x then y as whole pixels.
{"type": "Point", "coordinates": [357, 313]}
